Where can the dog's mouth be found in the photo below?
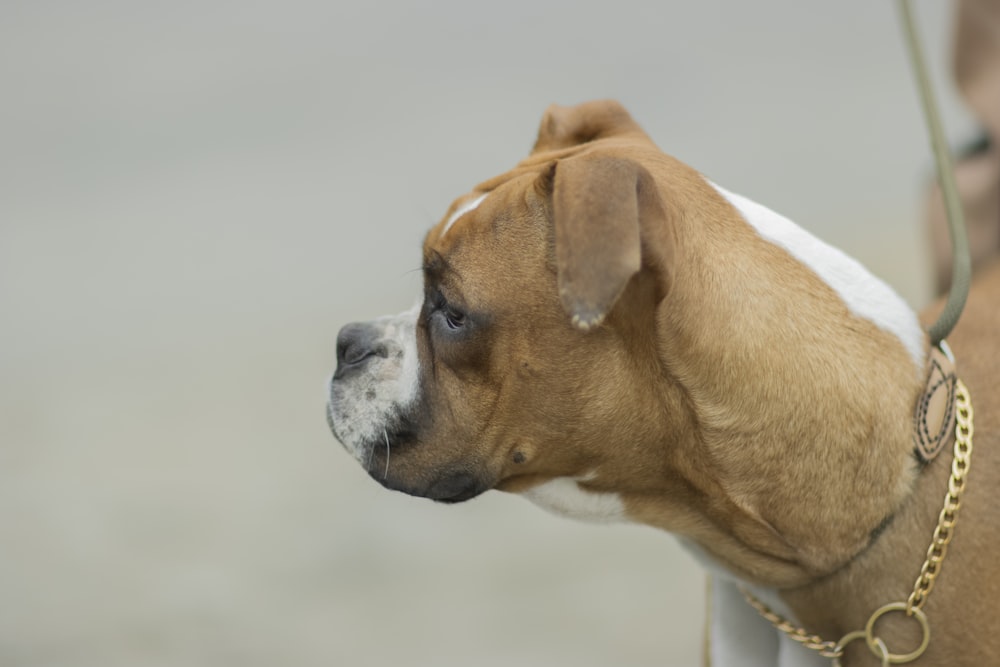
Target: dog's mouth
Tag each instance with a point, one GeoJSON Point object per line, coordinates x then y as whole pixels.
{"type": "Point", "coordinates": [456, 488]}
{"type": "Point", "coordinates": [398, 460]}
{"type": "Point", "coordinates": [449, 488]}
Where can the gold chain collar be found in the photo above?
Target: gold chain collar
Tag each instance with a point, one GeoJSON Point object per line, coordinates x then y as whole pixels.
{"type": "Point", "coordinates": [913, 607]}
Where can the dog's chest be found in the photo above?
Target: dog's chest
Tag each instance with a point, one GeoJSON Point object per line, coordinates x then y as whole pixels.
{"type": "Point", "coordinates": [565, 497]}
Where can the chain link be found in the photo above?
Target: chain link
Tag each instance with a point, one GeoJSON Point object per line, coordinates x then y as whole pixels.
{"type": "Point", "coordinates": [827, 649]}
{"type": "Point", "coordinates": [913, 607]}
{"type": "Point", "coordinates": [952, 502]}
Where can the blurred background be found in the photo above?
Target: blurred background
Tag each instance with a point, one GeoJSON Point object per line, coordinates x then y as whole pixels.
{"type": "Point", "coordinates": [195, 196]}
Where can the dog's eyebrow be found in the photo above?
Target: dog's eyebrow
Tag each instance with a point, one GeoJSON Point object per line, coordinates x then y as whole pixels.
{"type": "Point", "coordinates": [435, 266]}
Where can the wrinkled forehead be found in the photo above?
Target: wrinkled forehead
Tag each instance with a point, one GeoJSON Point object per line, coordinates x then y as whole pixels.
{"type": "Point", "coordinates": [485, 208]}
{"type": "Point", "coordinates": [491, 241]}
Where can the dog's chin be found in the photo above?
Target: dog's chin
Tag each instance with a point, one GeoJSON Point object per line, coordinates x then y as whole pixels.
{"type": "Point", "coordinates": [390, 461]}
{"type": "Point", "coordinates": [457, 489]}
{"type": "Point", "coordinates": [449, 488]}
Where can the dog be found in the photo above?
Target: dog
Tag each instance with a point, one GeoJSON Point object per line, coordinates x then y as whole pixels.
{"type": "Point", "coordinates": [610, 334]}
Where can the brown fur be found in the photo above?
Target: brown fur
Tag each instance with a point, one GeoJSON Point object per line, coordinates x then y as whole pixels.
{"type": "Point", "coordinates": [963, 605]}
{"type": "Point", "coordinates": [712, 382]}
{"type": "Point", "coordinates": [690, 402]}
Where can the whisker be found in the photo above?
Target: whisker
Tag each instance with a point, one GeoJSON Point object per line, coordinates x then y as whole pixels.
{"type": "Point", "coordinates": [386, 473]}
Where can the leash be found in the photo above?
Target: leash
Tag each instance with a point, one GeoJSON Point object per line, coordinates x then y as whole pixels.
{"type": "Point", "coordinates": [961, 268]}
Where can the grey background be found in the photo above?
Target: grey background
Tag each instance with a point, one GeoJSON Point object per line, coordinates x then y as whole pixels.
{"type": "Point", "coordinates": [194, 196]}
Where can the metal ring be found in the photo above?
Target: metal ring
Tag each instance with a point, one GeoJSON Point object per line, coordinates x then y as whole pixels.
{"type": "Point", "coordinates": [876, 646]}
{"type": "Point", "coordinates": [883, 649]}
{"type": "Point", "coordinates": [844, 641]}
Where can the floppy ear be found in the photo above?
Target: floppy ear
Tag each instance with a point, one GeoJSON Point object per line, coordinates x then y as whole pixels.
{"type": "Point", "coordinates": [563, 127]}
{"type": "Point", "coordinates": [598, 206]}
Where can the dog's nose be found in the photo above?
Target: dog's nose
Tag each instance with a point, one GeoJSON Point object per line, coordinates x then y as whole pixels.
{"type": "Point", "coordinates": [357, 343]}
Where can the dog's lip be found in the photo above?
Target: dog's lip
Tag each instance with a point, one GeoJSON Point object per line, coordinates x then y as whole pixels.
{"type": "Point", "coordinates": [455, 487]}
{"type": "Point", "coordinates": [449, 488]}
{"type": "Point", "coordinates": [460, 497]}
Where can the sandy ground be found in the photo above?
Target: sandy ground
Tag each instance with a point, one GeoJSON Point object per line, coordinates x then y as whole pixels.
{"type": "Point", "coordinates": [195, 196]}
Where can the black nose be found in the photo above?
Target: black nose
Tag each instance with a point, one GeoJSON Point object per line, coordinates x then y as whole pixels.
{"type": "Point", "coordinates": [357, 343]}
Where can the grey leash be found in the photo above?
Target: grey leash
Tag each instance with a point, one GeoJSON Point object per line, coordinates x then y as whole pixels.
{"type": "Point", "coordinates": [961, 268]}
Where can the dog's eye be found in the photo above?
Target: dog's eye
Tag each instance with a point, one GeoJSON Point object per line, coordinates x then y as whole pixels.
{"type": "Point", "coordinates": [451, 319]}
{"type": "Point", "coordinates": [454, 319]}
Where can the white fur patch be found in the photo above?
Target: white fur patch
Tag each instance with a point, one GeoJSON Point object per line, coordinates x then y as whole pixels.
{"type": "Point", "coordinates": [865, 295]}
{"type": "Point", "coordinates": [565, 497]}
{"type": "Point", "coordinates": [362, 407]}
{"type": "Point", "coordinates": [403, 329]}
{"type": "Point", "coordinates": [462, 210]}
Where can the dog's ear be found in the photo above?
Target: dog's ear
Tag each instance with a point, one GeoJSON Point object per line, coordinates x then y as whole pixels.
{"type": "Point", "coordinates": [599, 206]}
{"type": "Point", "coordinates": [563, 127]}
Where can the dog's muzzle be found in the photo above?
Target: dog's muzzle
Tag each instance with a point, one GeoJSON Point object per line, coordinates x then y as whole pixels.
{"type": "Point", "coordinates": [374, 407]}
{"type": "Point", "coordinates": [375, 384]}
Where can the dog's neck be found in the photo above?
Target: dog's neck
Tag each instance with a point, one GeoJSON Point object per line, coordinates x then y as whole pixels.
{"type": "Point", "coordinates": [831, 606]}
{"type": "Point", "coordinates": [778, 366]}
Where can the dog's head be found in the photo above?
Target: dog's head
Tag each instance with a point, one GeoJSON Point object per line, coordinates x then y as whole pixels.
{"type": "Point", "coordinates": [533, 346]}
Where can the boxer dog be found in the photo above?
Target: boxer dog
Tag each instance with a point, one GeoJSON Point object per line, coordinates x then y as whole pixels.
{"type": "Point", "coordinates": [610, 334]}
